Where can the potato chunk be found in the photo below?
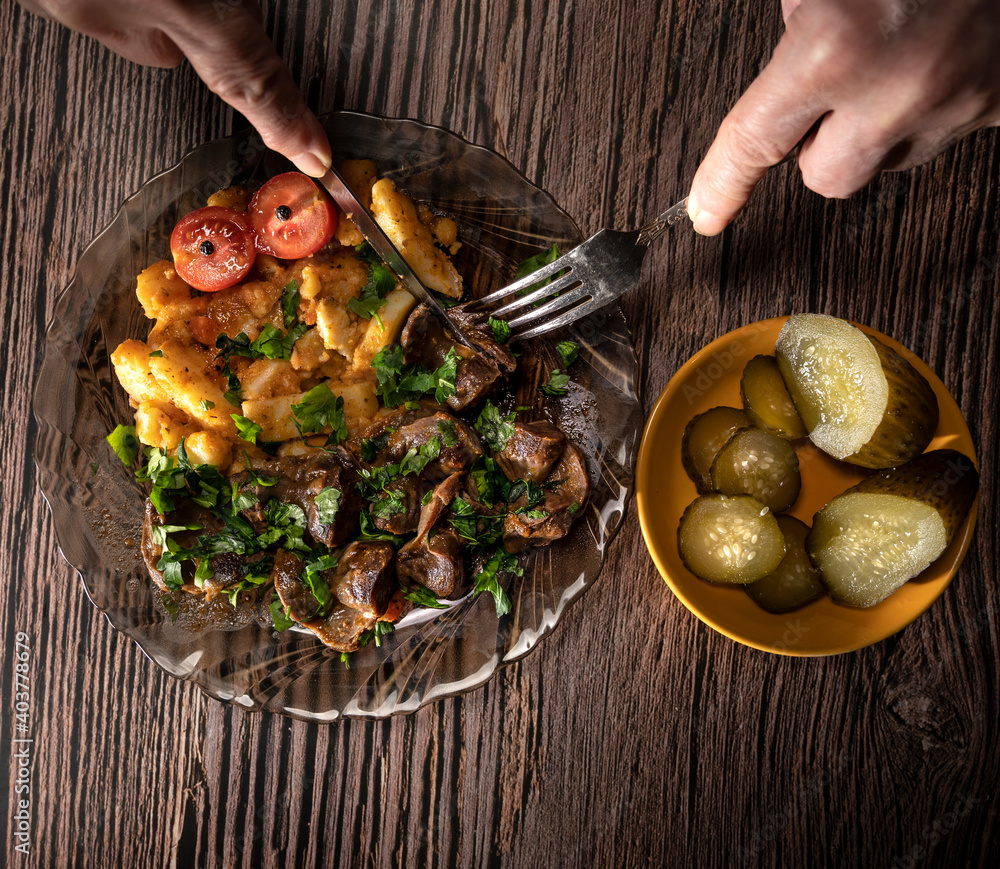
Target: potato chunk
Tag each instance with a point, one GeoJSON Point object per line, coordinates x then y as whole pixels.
{"type": "Point", "coordinates": [208, 448]}
{"type": "Point", "coordinates": [159, 287]}
{"type": "Point", "coordinates": [155, 427]}
{"type": "Point", "coordinates": [265, 378]}
{"type": "Point", "coordinates": [397, 215]}
{"type": "Point", "coordinates": [180, 372]}
{"type": "Point", "coordinates": [384, 329]}
{"type": "Point", "coordinates": [131, 361]}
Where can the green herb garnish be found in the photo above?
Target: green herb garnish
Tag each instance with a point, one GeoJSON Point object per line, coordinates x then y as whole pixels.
{"type": "Point", "coordinates": [495, 428]}
{"type": "Point", "coordinates": [557, 384]}
{"type": "Point", "coordinates": [247, 428]}
{"type": "Point", "coordinates": [125, 444]}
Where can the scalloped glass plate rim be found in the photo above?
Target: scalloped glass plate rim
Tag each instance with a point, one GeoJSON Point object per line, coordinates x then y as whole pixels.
{"type": "Point", "coordinates": [526, 643]}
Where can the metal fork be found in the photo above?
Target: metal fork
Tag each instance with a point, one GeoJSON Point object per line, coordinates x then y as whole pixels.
{"type": "Point", "coordinates": [590, 276]}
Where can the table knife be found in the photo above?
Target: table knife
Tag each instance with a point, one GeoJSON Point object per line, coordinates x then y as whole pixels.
{"type": "Point", "coordinates": [335, 185]}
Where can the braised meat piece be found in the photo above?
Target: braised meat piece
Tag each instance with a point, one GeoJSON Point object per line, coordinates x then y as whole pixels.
{"type": "Point", "coordinates": [531, 451]}
{"type": "Point", "coordinates": [340, 628]}
{"type": "Point", "coordinates": [406, 493]}
{"type": "Point", "coordinates": [228, 568]}
{"type": "Point", "coordinates": [364, 578]}
{"type": "Point", "coordinates": [425, 342]}
{"type": "Point", "coordinates": [459, 444]}
{"type": "Point", "coordinates": [300, 481]}
{"type": "Point", "coordinates": [566, 494]}
{"type": "Point", "coordinates": [433, 558]}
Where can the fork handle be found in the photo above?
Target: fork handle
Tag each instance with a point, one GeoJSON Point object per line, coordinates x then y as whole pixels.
{"type": "Point", "coordinates": [655, 228]}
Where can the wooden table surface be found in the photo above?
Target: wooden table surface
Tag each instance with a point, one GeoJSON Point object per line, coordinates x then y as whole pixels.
{"type": "Point", "coordinates": [634, 735]}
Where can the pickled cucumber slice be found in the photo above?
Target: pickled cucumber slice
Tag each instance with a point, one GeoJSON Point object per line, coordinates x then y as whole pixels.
{"type": "Point", "coordinates": [704, 436]}
{"type": "Point", "coordinates": [795, 581]}
{"type": "Point", "coordinates": [730, 539]}
{"type": "Point", "coordinates": [766, 400]}
{"type": "Point", "coordinates": [835, 379]}
{"type": "Point", "coordinates": [859, 400]}
{"type": "Point", "coordinates": [910, 418]}
{"type": "Point", "coordinates": [890, 527]}
{"type": "Point", "coordinates": [756, 463]}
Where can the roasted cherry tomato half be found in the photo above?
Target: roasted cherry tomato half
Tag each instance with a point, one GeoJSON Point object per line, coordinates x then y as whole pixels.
{"type": "Point", "coordinates": [291, 217]}
{"type": "Point", "coordinates": [212, 248]}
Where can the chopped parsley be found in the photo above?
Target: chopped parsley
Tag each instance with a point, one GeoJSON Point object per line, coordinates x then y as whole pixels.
{"type": "Point", "coordinates": [247, 428]}
{"type": "Point", "coordinates": [380, 283]}
{"type": "Point", "coordinates": [327, 503]}
{"type": "Point", "coordinates": [495, 428]}
{"type": "Point", "coordinates": [290, 299]}
{"type": "Point", "coordinates": [492, 485]}
{"type": "Point", "coordinates": [371, 447]}
{"type": "Point", "coordinates": [488, 578]}
{"type": "Point", "coordinates": [533, 264]}
{"type": "Point", "coordinates": [313, 580]}
{"type": "Point", "coordinates": [125, 444]}
{"type": "Point", "coordinates": [156, 354]}
{"type": "Point", "coordinates": [318, 409]}
{"type": "Point", "coordinates": [557, 384]}
{"type": "Point", "coordinates": [375, 633]}
{"type": "Point", "coordinates": [422, 596]}
{"type": "Point", "coordinates": [449, 436]}
{"type": "Point", "coordinates": [279, 615]}
{"type": "Point", "coordinates": [530, 491]}
{"type": "Point", "coordinates": [171, 606]}
{"type": "Point", "coordinates": [206, 405]}
{"type": "Point", "coordinates": [400, 382]}
{"type": "Point", "coordinates": [444, 385]}
{"type": "Point", "coordinates": [501, 330]}
{"type": "Point", "coordinates": [568, 351]}
{"type": "Point", "coordinates": [370, 531]}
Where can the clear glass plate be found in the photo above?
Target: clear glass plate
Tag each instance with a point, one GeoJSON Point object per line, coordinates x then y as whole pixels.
{"type": "Point", "coordinates": [97, 507]}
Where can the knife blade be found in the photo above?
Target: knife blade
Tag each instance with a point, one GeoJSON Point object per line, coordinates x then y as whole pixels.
{"type": "Point", "coordinates": [335, 185]}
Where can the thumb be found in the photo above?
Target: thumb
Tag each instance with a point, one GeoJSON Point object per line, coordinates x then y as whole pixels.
{"type": "Point", "coordinates": [233, 55]}
{"type": "Point", "coordinates": [765, 124]}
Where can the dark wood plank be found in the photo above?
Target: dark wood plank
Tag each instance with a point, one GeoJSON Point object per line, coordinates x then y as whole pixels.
{"type": "Point", "coordinates": [634, 735]}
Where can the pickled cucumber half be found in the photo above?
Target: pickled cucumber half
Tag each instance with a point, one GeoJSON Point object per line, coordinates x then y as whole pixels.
{"type": "Point", "coordinates": [885, 530]}
{"type": "Point", "coordinates": [704, 436]}
{"type": "Point", "coordinates": [766, 399]}
{"type": "Point", "coordinates": [730, 539]}
{"type": "Point", "coordinates": [795, 581]}
{"type": "Point", "coordinates": [860, 401]}
{"type": "Point", "coordinates": [754, 462]}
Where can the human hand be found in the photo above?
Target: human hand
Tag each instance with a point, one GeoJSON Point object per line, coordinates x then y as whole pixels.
{"type": "Point", "coordinates": [227, 47]}
{"type": "Point", "coordinates": [891, 82]}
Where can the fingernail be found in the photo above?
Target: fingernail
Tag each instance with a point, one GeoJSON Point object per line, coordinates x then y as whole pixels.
{"type": "Point", "coordinates": [312, 164]}
{"type": "Point", "coordinates": [706, 223]}
{"type": "Point", "coordinates": [693, 206]}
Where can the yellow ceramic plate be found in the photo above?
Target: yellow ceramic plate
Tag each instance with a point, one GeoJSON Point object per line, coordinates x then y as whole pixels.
{"type": "Point", "coordinates": [663, 490]}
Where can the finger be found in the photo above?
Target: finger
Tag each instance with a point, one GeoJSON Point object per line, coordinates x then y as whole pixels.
{"type": "Point", "coordinates": [35, 9]}
{"type": "Point", "coordinates": [788, 7]}
{"type": "Point", "coordinates": [146, 47]}
{"type": "Point", "coordinates": [843, 155]}
{"type": "Point", "coordinates": [764, 125]}
{"type": "Point", "coordinates": [232, 54]}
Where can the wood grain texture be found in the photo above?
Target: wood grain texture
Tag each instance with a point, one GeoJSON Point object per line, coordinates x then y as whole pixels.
{"type": "Point", "coordinates": [634, 735]}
